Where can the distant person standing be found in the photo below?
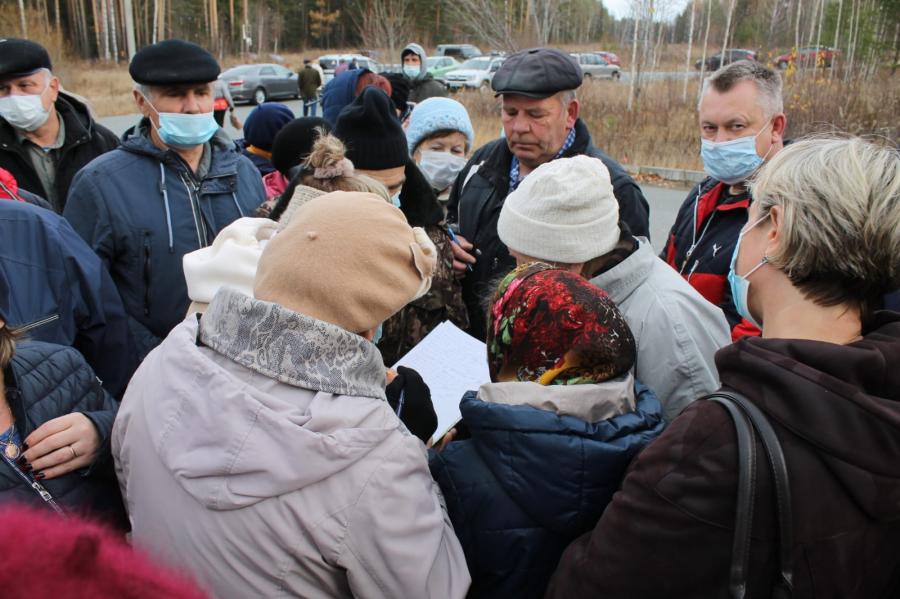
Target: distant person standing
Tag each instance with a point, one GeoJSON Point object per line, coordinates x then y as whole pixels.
{"type": "Point", "coordinates": [341, 67]}
{"type": "Point", "coordinates": [422, 84]}
{"type": "Point", "coordinates": [168, 190]}
{"type": "Point", "coordinates": [46, 135]}
{"type": "Point", "coordinates": [223, 103]}
{"type": "Point", "coordinates": [310, 82]}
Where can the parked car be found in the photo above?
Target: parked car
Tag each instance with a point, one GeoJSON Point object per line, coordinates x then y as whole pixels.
{"type": "Point", "coordinates": [329, 62]}
{"type": "Point", "coordinates": [439, 66]}
{"type": "Point", "coordinates": [475, 73]}
{"type": "Point", "coordinates": [257, 83]}
{"type": "Point", "coordinates": [609, 57]}
{"type": "Point", "coordinates": [808, 57]}
{"type": "Point", "coordinates": [715, 61]}
{"type": "Point", "coordinates": [459, 51]}
{"type": "Point", "coordinates": [595, 67]}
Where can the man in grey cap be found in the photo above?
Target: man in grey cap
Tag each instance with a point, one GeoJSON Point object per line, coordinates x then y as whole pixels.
{"type": "Point", "coordinates": [46, 135]}
{"type": "Point", "coordinates": [167, 190]}
{"type": "Point", "coordinates": [540, 122]}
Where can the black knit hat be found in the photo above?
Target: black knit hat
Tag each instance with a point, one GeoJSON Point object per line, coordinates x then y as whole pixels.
{"type": "Point", "coordinates": [20, 57]}
{"type": "Point", "coordinates": [372, 133]}
{"type": "Point", "coordinates": [399, 90]}
{"type": "Point", "coordinates": [294, 142]}
{"type": "Point", "coordinates": [173, 62]}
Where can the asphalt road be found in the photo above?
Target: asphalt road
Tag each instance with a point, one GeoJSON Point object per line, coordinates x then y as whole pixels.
{"type": "Point", "coordinates": [664, 202]}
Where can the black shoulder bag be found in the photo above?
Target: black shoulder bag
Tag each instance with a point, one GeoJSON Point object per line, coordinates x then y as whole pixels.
{"type": "Point", "coordinates": [750, 421]}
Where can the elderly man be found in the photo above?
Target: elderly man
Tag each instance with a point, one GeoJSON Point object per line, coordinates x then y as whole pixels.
{"type": "Point", "coordinates": [540, 122]}
{"type": "Point", "coordinates": [46, 135]}
{"type": "Point", "coordinates": [168, 190]}
{"type": "Point", "coordinates": [742, 125]}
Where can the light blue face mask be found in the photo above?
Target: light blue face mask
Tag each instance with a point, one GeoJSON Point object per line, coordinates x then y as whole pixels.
{"type": "Point", "coordinates": [184, 130]}
{"type": "Point", "coordinates": [395, 199]}
{"type": "Point", "coordinates": [411, 71]}
{"type": "Point", "coordinates": [731, 161]}
{"type": "Point", "coordinates": [378, 332]}
{"type": "Point", "coordinates": [740, 286]}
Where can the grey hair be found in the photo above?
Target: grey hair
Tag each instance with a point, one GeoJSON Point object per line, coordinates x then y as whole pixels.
{"type": "Point", "coordinates": [567, 96]}
{"type": "Point", "coordinates": [840, 198]}
{"type": "Point", "coordinates": [142, 89]}
{"type": "Point", "coordinates": [768, 83]}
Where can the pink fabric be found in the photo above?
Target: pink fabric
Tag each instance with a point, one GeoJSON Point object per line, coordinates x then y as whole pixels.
{"type": "Point", "coordinates": [275, 184]}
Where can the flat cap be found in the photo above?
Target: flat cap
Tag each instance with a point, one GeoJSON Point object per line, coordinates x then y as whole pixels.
{"type": "Point", "coordinates": [20, 57]}
{"type": "Point", "coordinates": [537, 73]}
{"type": "Point", "coordinates": [173, 62]}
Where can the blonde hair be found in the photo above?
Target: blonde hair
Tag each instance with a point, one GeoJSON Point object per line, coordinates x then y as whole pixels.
{"type": "Point", "coordinates": [7, 345]}
{"type": "Point", "coordinates": [841, 228]}
{"type": "Point", "coordinates": [329, 158]}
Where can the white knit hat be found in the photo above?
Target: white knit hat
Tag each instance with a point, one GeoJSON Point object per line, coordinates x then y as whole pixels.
{"type": "Point", "coordinates": [564, 212]}
{"type": "Point", "coordinates": [229, 262]}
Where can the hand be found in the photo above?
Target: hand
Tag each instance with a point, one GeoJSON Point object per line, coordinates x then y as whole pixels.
{"type": "Point", "coordinates": [461, 255]}
{"type": "Point", "coordinates": [390, 376]}
{"type": "Point", "coordinates": [62, 445]}
{"type": "Point", "coordinates": [445, 440]}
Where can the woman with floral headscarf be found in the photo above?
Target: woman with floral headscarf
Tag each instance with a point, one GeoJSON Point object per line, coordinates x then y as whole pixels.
{"type": "Point", "coordinates": [551, 435]}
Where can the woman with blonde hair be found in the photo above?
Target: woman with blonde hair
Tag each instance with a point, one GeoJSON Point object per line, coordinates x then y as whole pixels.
{"type": "Point", "coordinates": [810, 268]}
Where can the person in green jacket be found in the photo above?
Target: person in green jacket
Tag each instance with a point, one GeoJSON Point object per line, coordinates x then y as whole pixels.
{"type": "Point", "coordinates": [310, 82]}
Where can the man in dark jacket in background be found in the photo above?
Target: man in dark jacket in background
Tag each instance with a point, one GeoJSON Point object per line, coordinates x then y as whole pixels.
{"type": "Point", "coordinates": [168, 190]}
{"type": "Point", "coordinates": [310, 82]}
{"type": "Point", "coordinates": [53, 288]}
{"type": "Point", "coordinates": [540, 121]}
{"type": "Point", "coordinates": [422, 84]}
{"type": "Point", "coordinates": [46, 136]}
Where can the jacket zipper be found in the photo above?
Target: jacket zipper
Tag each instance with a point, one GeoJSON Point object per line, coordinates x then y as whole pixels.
{"type": "Point", "coordinates": [199, 226]}
{"type": "Point", "coordinates": [37, 323]}
{"type": "Point", "coordinates": [147, 273]}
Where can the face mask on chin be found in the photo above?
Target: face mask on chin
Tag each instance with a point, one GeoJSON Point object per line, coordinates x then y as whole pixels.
{"type": "Point", "coordinates": [179, 130]}
{"type": "Point", "coordinates": [25, 111]}
{"type": "Point", "coordinates": [732, 161]}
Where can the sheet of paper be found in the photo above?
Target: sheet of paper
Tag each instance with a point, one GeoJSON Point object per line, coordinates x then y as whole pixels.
{"type": "Point", "coordinates": [450, 362]}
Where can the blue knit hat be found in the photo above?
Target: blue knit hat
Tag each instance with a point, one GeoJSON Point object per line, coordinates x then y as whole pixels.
{"type": "Point", "coordinates": [438, 114]}
{"type": "Point", "coordinates": [265, 122]}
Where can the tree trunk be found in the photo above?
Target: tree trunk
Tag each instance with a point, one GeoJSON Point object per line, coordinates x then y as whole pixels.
{"type": "Point", "coordinates": [727, 30]}
{"type": "Point", "coordinates": [634, 45]}
{"type": "Point", "coordinates": [837, 37]}
{"type": "Point", "coordinates": [130, 42]}
{"type": "Point", "coordinates": [23, 23]}
{"type": "Point", "coordinates": [687, 58]}
{"type": "Point", "coordinates": [705, 45]}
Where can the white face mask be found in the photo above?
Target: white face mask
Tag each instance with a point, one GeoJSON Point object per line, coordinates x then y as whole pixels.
{"type": "Point", "coordinates": [440, 168]}
{"type": "Point", "coordinates": [25, 111]}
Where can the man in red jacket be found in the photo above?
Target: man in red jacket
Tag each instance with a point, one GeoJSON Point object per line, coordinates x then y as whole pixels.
{"type": "Point", "coordinates": [742, 125]}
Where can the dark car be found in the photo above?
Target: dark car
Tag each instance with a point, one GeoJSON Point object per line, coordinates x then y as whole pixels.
{"type": "Point", "coordinates": [808, 57]}
{"type": "Point", "coordinates": [257, 83]}
{"type": "Point", "coordinates": [715, 61]}
{"type": "Point", "coordinates": [461, 52]}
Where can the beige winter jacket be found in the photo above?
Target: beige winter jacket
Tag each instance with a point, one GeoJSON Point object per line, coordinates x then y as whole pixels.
{"type": "Point", "coordinates": [256, 451]}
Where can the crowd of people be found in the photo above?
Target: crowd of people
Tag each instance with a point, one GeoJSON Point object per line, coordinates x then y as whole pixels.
{"type": "Point", "coordinates": [196, 335]}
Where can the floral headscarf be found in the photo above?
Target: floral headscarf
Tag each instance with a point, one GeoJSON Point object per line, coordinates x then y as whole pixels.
{"type": "Point", "coordinates": [553, 327]}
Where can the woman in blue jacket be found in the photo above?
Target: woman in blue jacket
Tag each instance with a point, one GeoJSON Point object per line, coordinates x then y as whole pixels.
{"type": "Point", "coordinates": [55, 424]}
{"type": "Point", "coordinates": [551, 435]}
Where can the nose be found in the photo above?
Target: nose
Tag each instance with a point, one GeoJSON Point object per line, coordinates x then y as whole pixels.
{"type": "Point", "coordinates": [191, 103]}
{"type": "Point", "coordinates": [520, 124]}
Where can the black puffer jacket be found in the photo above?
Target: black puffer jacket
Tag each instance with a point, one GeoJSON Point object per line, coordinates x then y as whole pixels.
{"type": "Point", "coordinates": [85, 140]}
{"type": "Point", "coordinates": [45, 381]}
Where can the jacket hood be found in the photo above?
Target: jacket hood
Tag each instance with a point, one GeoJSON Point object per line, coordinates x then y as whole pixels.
{"type": "Point", "coordinates": [555, 465]}
{"type": "Point", "coordinates": [339, 93]}
{"type": "Point", "coordinates": [843, 400]}
{"type": "Point", "coordinates": [418, 51]}
{"type": "Point", "coordinates": [232, 437]}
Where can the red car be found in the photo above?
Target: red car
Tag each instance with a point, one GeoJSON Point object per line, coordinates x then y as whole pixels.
{"type": "Point", "coordinates": [610, 58]}
{"type": "Point", "coordinates": [808, 57]}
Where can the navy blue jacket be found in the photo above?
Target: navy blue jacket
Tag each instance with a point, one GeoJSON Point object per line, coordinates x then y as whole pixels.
{"type": "Point", "coordinates": [339, 93]}
{"type": "Point", "coordinates": [55, 289]}
{"type": "Point", "coordinates": [142, 209]}
{"type": "Point", "coordinates": [529, 482]}
{"type": "Point", "coordinates": [44, 381]}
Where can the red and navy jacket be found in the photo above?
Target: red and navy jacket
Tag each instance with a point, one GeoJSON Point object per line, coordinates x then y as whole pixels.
{"type": "Point", "coordinates": [702, 241]}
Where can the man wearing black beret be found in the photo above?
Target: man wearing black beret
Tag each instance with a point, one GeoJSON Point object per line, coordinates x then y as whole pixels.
{"type": "Point", "coordinates": [540, 122]}
{"type": "Point", "coordinates": [46, 135]}
{"type": "Point", "coordinates": [169, 189]}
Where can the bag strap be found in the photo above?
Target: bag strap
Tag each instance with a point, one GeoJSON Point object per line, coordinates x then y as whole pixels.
{"type": "Point", "coordinates": [743, 521]}
{"type": "Point", "coordinates": [781, 480]}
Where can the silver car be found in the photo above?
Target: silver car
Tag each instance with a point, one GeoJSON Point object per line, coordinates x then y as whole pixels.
{"type": "Point", "coordinates": [595, 67]}
{"type": "Point", "coordinates": [257, 83]}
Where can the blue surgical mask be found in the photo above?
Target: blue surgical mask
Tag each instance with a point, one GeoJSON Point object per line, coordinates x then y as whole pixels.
{"type": "Point", "coordinates": [184, 130]}
{"type": "Point", "coordinates": [378, 332]}
{"type": "Point", "coordinates": [740, 286]}
{"type": "Point", "coordinates": [395, 199]}
{"type": "Point", "coordinates": [731, 161]}
{"type": "Point", "coordinates": [411, 71]}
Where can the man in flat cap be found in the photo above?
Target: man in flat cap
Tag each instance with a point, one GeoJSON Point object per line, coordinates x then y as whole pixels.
{"type": "Point", "coordinates": [169, 189]}
{"type": "Point", "coordinates": [46, 135]}
{"type": "Point", "coordinates": [540, 122]}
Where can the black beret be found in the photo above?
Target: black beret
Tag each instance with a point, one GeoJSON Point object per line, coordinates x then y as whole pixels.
{"type": "Point", "coordinates": [173, 62]}
{"type": "Point", "coordinates": [537, 73]}
{"type": "Point", "coordinates": [20, 57]}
